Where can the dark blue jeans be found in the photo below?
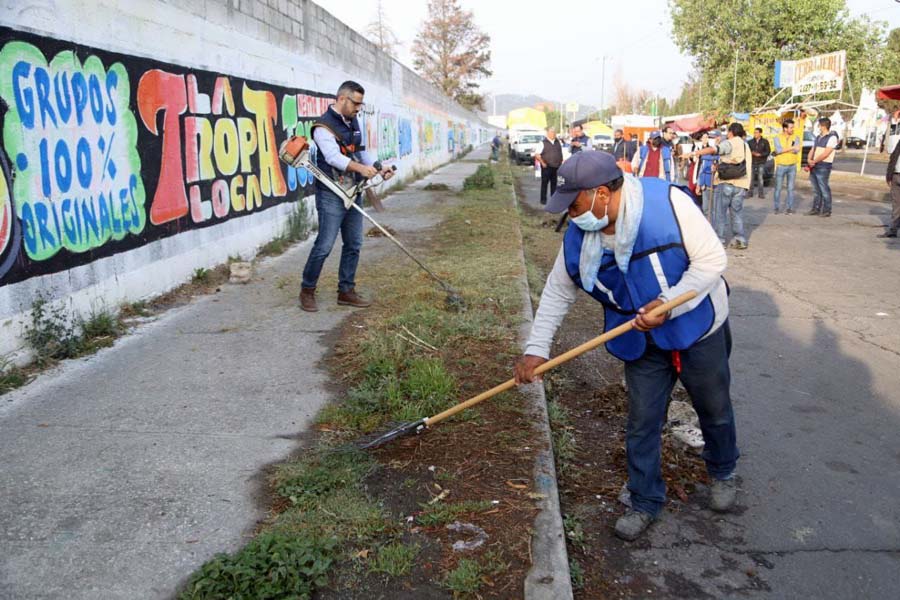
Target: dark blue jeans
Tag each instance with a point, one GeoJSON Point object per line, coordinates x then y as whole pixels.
{"type": "Point", "coordinates": [818, 177]}
{"type": "Point", "coordinates": [334, 218]}
{"type": "Point", "coordinates": [707, 379]}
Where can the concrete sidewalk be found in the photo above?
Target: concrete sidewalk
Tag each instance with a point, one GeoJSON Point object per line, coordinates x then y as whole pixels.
{"type": "Point", "coordinates": [125, 471]}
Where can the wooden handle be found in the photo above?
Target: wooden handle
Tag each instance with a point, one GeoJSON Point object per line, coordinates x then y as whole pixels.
{"type": "Point", "coordinates": [555, 362]}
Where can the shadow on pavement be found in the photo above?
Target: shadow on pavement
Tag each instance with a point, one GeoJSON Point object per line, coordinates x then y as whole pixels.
{"type": "Point", "coordinates": [816, 518]}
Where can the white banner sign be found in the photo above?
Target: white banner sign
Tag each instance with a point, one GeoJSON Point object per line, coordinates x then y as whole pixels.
{"type": "Point", "coordinates": [814, 75]}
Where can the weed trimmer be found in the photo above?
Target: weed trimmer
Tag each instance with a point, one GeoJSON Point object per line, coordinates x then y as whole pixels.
{"type": "Point", "coordinates": [295, 152]}
{"type": "Point", "coordinates": [422, 425]}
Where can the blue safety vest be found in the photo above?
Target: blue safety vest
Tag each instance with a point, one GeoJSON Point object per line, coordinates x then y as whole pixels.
{"type": "Point", "coordinates": [658, 262]}
{"type": "Point", "coordinates": [666, 156]}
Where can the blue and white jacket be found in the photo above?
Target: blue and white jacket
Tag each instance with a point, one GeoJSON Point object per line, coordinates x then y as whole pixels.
{"type": "Point", "coordinates": [676, 250]}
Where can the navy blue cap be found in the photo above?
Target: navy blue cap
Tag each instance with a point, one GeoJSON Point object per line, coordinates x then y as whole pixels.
{"type": "Point", "coordinates": [583, 171]}
{"type": "Point", "coordinates": [655, 134]}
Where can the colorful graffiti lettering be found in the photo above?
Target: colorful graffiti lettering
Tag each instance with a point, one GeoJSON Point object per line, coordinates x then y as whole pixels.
{"type": "Point", "coordinates": [298, 113]}
{"type": "Point", "coordinates": [73, 142]}
{"type": "Point", "coordinates": [387, 137]}
{"type": "Point", "coordinates": [404, 135]}
{"type": "Point", "coordinates": [10, 232]}
{"type": "Point", "coordinates": [104, 153]}
{"type": "Point", "coordinates": [237, 154]}
{"type": "Point", "coordinates": [429, 136]}
{"type": "Point", "coordinates": [451, 137]}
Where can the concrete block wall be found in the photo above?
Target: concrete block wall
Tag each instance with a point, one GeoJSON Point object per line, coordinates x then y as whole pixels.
{"type": "Point", "coordinates": [139, 138]}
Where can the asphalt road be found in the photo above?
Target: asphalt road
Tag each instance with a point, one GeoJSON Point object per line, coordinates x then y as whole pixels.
{"type": "Point", "coordinates": [816, 325]}
{"type": "Point", "coordinates": [853, 162]}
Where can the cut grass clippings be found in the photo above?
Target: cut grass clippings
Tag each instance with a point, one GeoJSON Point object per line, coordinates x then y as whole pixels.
{"type": "Point", "coordinates": [403, 359]}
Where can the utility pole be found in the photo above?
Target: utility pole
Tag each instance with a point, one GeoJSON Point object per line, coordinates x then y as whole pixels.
{"type": "Point", "coordinates": [602, 85]}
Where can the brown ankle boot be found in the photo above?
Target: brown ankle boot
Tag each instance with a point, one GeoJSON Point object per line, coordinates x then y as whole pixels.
{"type": "Point", "coordinates": [308, 299]}
{"type": "Point", "coordinates": [351, 298]}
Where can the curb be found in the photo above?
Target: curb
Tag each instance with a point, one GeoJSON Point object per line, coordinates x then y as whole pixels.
{"type": "Point", "coordinates": [847, 185]}
{"type": "Point", "coordinates": [548, 578]}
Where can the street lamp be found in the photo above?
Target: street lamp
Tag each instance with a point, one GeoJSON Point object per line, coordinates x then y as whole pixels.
{"type": "Point", "coordinates": [603, 84]}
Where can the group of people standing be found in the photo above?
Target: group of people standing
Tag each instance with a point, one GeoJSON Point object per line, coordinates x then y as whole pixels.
{"type": "Point", "coordinates": [722, 173]}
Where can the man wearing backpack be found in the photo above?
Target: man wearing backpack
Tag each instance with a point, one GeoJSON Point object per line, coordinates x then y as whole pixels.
{"type": "Point", "coordinates": [821, 156]}
{"type": "Point", "coordinates": [342, 153]}
{"type": "Point", "coordinates": [732, 183]}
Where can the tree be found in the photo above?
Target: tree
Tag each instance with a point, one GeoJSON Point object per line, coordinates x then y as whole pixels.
{"type": "Point", "coordinates": [691, 97]}
{"type": "Point", "coordinates": [748, 36]}
{"type": "Point", "coordinates": [892, 68]}
{"type": "Point", "coordinates": [554, 118]}
{"type": "Point", "coordinates": [381, 34]}
{"type": "Point", "coordinates": [452, 53]}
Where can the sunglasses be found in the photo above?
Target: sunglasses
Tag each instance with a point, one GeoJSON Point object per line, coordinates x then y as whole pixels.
{"type": "Point", "coordinates": [355, 103]}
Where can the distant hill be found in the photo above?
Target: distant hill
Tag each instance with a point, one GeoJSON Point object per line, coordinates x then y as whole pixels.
{"type": "Point", "coordinates": [508, 102]}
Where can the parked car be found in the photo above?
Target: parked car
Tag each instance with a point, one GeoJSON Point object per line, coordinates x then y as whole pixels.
{"type": "Point", "coordinates": [602, 141]}
{"type": "Point", "coordinates": [524, 148]}
{"type": "Point", "coordinates": [809, 141]}
{"type": "Point", "coordinates": [855, 142]}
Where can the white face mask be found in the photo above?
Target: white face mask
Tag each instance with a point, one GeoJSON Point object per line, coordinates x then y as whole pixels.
{"type": "Point", "coordinates": [588, 221]}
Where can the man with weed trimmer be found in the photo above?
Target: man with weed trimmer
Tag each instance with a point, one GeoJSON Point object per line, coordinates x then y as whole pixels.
{"type": "Point", "coordinates": [341, 153]}
{"type": "Point", "coordinates": [633, 244]}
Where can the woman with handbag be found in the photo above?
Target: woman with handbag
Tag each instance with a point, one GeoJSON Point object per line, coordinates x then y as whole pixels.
{"type": "Point", "coordinates": [732, 182]}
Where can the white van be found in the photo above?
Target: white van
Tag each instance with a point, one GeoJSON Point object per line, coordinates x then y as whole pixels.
{"type": "Point", "coordinates": [526, 145]}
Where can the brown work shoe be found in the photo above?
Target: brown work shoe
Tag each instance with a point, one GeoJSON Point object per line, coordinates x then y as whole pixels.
{"type": "Point", "coordinates": [308, 299]}
{"type": "Point", "coordinates": [351, 298]}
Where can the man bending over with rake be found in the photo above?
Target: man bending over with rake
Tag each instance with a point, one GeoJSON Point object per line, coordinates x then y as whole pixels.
{"type": "Point", "coordinates": [631, 245]}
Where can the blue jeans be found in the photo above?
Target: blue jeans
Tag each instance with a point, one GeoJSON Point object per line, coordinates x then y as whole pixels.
{"type": "Point", "coordinates": [819, 176]}
{"type": "Point", "coordinates": [707, 203]}
{"type": "Point", "coordinates": [783, 172]}
{"type": "Point", "coordinates": [758, 178]}
{"type": "Point", "coordinates": [333, 217]}
{"type": "Point", "coordinates": [707, 379]}
{"type": "Point", "coordinates": [730, 198]}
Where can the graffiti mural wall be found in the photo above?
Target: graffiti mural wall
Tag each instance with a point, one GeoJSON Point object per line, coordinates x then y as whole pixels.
{"type": "Point", "coordinates": [103, 152]}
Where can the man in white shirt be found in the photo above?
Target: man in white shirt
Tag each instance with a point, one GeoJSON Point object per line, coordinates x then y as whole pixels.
{"type": "Point", "coordinates": [631, 245]}
{"type": "Point", "coordinates": [341, 152]}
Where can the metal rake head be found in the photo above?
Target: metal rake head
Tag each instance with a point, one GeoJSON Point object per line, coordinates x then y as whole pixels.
{"type": "Point", "coordinates": [403, 430]}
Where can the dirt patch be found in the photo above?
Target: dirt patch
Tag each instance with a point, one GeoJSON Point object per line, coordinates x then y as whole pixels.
{"type": "Point", "coordinates": [590, 392]}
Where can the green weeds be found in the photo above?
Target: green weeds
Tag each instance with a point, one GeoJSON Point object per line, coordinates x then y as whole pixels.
{"type": "Point", "coordinates": [297, 227]}
{"type": "Point", "coordinates": [394, 559]}
{"type": "Point", "coordinates": [441, 514]}
{"type": "Point", "coordinates": [273, 565]}
{"type": "Point", "coordinates": [481, 179]}
{"type": "Point", "coordinates": [465, 578]}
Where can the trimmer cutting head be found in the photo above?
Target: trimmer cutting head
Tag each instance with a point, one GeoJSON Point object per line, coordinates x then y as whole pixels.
{"type": "Point", "coordinates": [454, 301]}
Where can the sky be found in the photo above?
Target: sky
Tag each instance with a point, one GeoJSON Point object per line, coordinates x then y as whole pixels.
{"type": "Point", "coordinates": [555, 49]}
